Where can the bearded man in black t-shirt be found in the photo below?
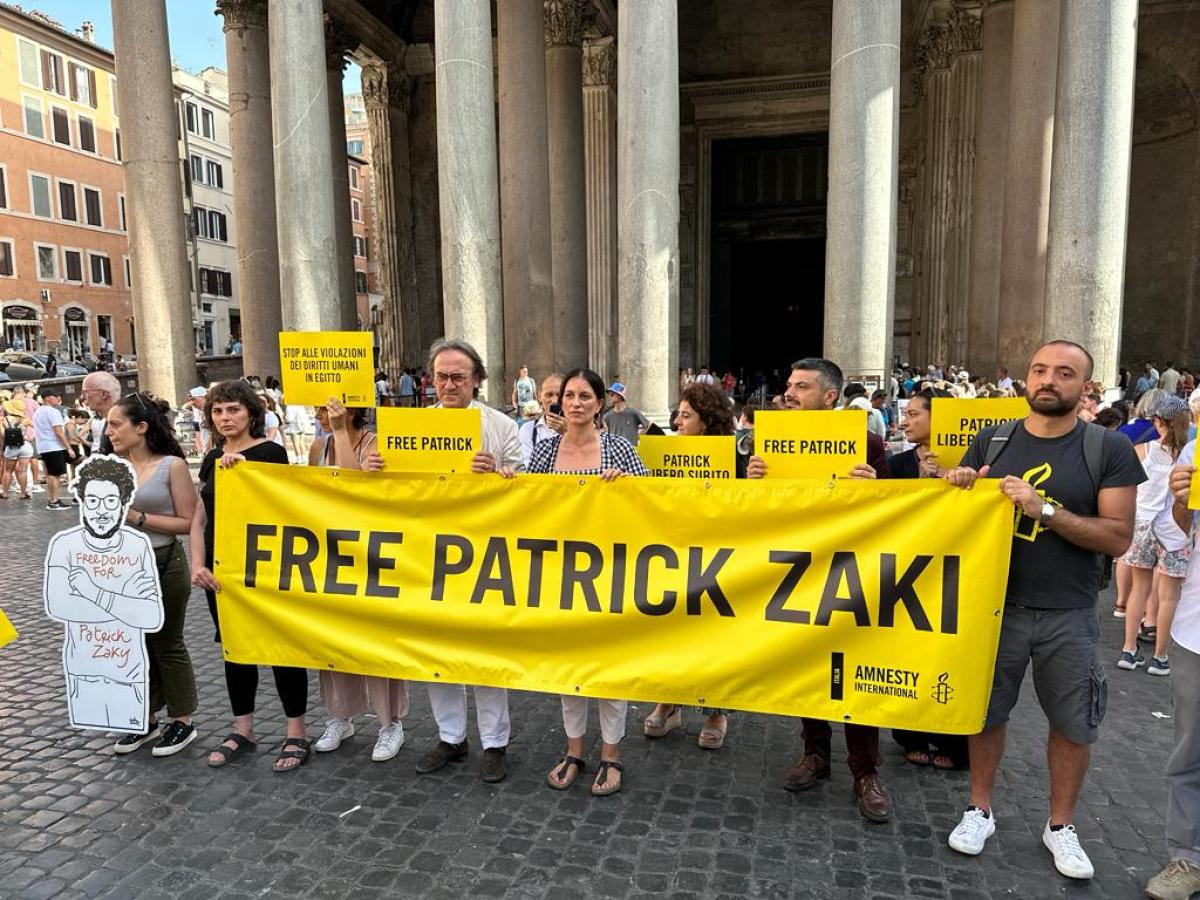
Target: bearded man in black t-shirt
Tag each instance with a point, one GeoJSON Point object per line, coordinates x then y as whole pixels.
{"type": "Point", "coordinates": [1071, 504]}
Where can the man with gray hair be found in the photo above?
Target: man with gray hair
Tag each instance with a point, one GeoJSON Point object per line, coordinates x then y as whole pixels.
{"type": "Point", "coordinates": [457, 372]}
{"type": "Point", "coordinates": [100, 391]}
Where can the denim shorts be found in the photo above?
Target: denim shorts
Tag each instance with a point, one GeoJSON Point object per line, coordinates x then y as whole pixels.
{"type": "Point", "coordinates": [1067, 675]}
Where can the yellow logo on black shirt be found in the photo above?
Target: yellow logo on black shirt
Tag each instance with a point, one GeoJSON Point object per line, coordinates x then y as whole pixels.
{"type": "Point", "coordinates": [1025, 528]}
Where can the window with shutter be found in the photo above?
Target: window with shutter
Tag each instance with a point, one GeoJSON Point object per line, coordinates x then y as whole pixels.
{"type": "Point", "coordinates": [208, 124]}
{"type": "Point", "coordinates": [60, 123]}
{"type": "Point", "coordinates": [92, 207]}
{"type": "Point", "coordinates": [73, 263]}
{"type": "Point", "coordinates": [191, 117]}
{"type": "Point", "coordinates": [87, 135]}
{"type": "Point", "coordinates": [73, 80]}
{"type": "Point", "coordinates": [215, 178]}
{"type": "Point", "coordinates": [91, 87]}
{"type": "Point", "coordinates": [200, 221]}
{"type": "Point", "coordinates": [118, 144]}
{"type": "Point", "coordinates": [52, 73]}
{"type": "Point", "coordinates": [6, 259]}
{"type": "Point", "coordinates": [66, 201]}
{"type": "Point", "coordinates": [197, 170]}
{"type": "Point", "coordinates": [35, 120]}
{"type": "Point", "coordinates": [3, 188]}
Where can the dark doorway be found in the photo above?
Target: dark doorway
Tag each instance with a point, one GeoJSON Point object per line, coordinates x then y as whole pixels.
{"type": "Point", "coordinates": [767, 276]}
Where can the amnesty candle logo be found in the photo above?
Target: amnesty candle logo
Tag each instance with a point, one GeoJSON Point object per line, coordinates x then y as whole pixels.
{"type": "Point", "coordinates": [942, 692]}
{"type": "Point", "coordinates": [1025, 528]}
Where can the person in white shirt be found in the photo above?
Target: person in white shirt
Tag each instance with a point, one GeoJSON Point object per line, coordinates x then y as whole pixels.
{"type": "Point", "coordinates": [51, 440]}
{"type": "Point", "coordinates": [549, 424]}
{"type": "Point", "coordinates": [1181, 877]}
{"type": "Point", "coordinates": [1003, 382]}
{"type": "Point", "coordinates": [1169, 381]}
{"type": "Point", "coordinates": [458, 371]}
{"type": "Point", "coordinates": [705, 376]}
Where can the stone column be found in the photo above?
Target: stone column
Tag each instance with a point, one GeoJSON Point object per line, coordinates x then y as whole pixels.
{"type": "Point", "coordinates": [338, 42]}
{"type": "Point", "coordinates": [248, 59]}
{"type": "Point", "coordinates": [154, 202]}
{"type": "Point", "coordinates": [965, 30]}
{"type": "Point", "coordinates": [467, 181]}
{"type": "Point", "coordinates": [864, 115]}
{"type": "Point", "coordinates": [1027, 181]}
{"type": "Point", "coordinates": [648, 202]}
{"type": "Point", "coordinates": [991, 153]}
{"type": "Point", "coordinates": [1089, 197]}
{"type": "Point", "coordinates": [386, 93]}
{"type": "Point", "coordinates": [600, 157]}
{"type": "Point", "coordinates": [300, 121]}
{"type": "Point", "coordinates": [529, 325]}
{"type": "Point", "coordinates": [568, 196]}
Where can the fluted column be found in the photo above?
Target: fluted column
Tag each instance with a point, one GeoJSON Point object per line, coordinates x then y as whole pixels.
{"type": "Point", "coordinates": [933, 73]}
{"type": "Point", "coordinates": [467, 180]}
{"type": "Point", "coordinates": [600, 159]}
{"type": "Point", "coordinates": [864, 116]}
{"type": "Point", "coordinates": [529, 326]}
{"type": "Point", "coordinates": [1089, 198]}
{"type": "Point", "coordinates": [1027, 181]}
{"type": "Point", "coordinates": [991, 153]}
{"type": "Point", "coordinates": [648, 201]}
{"type": "Point", "coordinates": [300, 124]}
{"type": "Point", "coordinates": [157, 258]}
{"type": "Point", "coordinates": [248, 59]}
{"type": "Point", "coordinates": [568, 195]}
{"type": "Point", "coordinates": [338, 42]}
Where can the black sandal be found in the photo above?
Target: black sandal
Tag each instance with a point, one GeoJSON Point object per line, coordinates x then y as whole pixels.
{"type": "Point", "coordinates": [242, 744]}
{"type": "Point", "coordinates": [602, 777]}
{"type": "Point", "coordinates": [563, 770]}
{"type": "Point", "coordinates": [300, 752]}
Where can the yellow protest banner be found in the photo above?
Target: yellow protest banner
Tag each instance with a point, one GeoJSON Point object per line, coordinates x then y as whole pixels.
{"type": "Point", "coordinates": [858, 601]}
{"type": "Point", "coordinates": [8, 634]}
{"type": "Point", "coordinates": [318, 365]}
{"type": "Point", "coordinates": [703, 458]}
{"type": "Point", "coordinates": [954, 422]}
{"type": "Point", "coordinates": [811, 443]}
{"type": "Point", "coordinates": [428, 440]}
{"type": "Point", "coordinates": [1194, 491]}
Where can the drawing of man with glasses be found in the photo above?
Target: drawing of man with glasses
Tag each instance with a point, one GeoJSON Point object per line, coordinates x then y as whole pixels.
{"type": "Point", "coordinates": [102, 583]}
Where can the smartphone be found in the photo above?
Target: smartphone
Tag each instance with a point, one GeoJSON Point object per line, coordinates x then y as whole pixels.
{"type": "Point", "coordinates": [556, 409]}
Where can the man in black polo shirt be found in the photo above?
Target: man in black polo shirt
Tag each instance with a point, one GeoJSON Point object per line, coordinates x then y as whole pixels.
{"type": "Point", "coordinates": [816, 384]}
{"type": "Point", "coordinates": [1074, 496]}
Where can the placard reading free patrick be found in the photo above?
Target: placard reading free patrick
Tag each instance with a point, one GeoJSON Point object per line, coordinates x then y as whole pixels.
{"type": "Point", "coordinates": [954, 423]}
{"type": "Point", "coordinates": [811, 443]}
{"type": "Point", "coordinates": [428, 440]}
{"type": "Point", "coordinates": [318, 365]}
{"type": "Point", "coordinates": [703, 458]}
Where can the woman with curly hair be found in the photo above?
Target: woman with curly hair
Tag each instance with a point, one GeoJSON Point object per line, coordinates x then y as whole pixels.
{"type": "Point", "coordinates": [704, 411]}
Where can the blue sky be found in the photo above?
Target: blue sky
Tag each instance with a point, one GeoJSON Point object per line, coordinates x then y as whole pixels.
{"type": "Point", "coordinates": [195, 31]}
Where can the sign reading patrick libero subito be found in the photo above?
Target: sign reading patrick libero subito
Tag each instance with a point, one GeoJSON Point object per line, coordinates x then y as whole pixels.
{"type": "Point", "coordinates": [318, 365]}
{"type": "Point", "coordinates": [954, 422]}
{"type": "Point", "coordinates": [703, 458]}
{"type": "Point", "coordinates": [855, 601]}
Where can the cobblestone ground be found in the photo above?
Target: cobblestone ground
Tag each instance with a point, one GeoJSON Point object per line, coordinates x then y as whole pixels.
{"type": "Point", "coordinates": [77, 821]}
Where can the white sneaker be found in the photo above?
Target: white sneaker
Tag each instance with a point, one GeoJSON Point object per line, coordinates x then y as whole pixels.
{"type": "Point", "coordinates": [335, 732]}
{"type": "Point", "coordinates": [391, 739]}
{"type": "Point", "coordinates": [1069, 857]}
{"type": "Point", "coordinates": [972, 832]}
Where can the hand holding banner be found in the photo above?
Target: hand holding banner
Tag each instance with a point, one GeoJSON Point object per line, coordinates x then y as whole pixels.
{"type": "Point", "coordinates": [811, 443]}
{"type": "Point", "coordinates": [702, 458]}
{"type": "Point", "coordinates": [318, 365]}
{"type": "Point", "coordinates": [428, 440]}
{"type": "Point", "coordinates": [955, 421]}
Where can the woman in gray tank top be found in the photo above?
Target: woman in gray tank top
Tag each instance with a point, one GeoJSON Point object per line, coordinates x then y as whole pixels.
{"type": "Point", "coordinates": [163, 508]}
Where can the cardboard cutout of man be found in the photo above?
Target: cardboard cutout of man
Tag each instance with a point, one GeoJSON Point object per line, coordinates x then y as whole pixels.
{"type": "Point", "coordinates": [101, 581]}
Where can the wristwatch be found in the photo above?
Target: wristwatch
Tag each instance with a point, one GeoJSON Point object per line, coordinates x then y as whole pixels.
{"type": "Point", "coordinates": [1047, 514]}
{"type": "Point", "coordinates": [142, 521]}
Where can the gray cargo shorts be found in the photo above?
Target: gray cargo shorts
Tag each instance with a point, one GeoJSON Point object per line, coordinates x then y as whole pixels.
{"type": "Point", "coordinates": [1070, 683]}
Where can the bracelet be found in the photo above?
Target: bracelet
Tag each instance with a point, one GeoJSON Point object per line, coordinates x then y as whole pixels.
{"type": "Point", "coordinates": [142, 521]}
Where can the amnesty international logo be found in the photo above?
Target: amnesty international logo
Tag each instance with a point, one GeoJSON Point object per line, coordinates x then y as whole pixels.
{"type": "Point", "coordinates": [942, 692]}
{"type": "Point", "coordinates": [1025, 528]}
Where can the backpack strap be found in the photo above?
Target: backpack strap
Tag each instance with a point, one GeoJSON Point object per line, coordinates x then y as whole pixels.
{"type": "Point", "coordinates": [998, 442]}
{"type": "Point", "coordinates": [1093, 453]}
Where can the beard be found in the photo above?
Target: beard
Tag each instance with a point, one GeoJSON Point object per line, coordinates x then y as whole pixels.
{"type": "Point", "coordinates": [102, 535]}
{"type": "Point", "coordinates": [1049, 402]}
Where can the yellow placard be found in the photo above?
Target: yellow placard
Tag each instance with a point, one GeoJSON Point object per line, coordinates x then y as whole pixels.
{"type": "Point", "coordinates": [318, 365]}
{"type": "Point", "coordinates": [1194, 491]}
{"type": "Point", "coordinates": [858, 601]}
{"type": "Point", "coordinates": [703, 458]}
{"type": "Point", "coordinates": [954, 423]}
{"type": "Point", "coordinates": [8, 634]}
{"type": "Point", "coordinates": [811, 443]}
{"type": "Point", "coordinates": [428, 440]}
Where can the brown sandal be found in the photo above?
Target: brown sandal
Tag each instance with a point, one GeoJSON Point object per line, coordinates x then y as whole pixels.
{"type": "Point", "coordinates": [293, 748]}
{"type": "Point", "coordinates": [566, 770]}
{"type": "Point", "coordinates": [598, 788]}
{"type": "Point", "coordinates": [654, 726]}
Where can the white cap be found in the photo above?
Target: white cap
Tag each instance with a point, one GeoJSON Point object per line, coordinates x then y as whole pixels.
{"type": "Point", "coordinates": [198, 392]}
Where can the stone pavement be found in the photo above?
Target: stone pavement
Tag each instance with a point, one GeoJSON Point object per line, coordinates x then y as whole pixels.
{"type": "Point", "coordinates": [76, 821]}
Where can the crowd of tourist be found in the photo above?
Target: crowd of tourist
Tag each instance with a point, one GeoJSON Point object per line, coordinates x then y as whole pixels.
{"type": "Point", "coordinates": [1119, 466]}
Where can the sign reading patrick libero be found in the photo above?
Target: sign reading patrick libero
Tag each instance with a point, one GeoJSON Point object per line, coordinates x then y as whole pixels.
{"type": "Point", "coordinates": [846, 600]}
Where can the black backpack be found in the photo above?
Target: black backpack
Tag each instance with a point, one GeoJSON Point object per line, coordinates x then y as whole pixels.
{"type": "Point", "coordinates": [14, 435]}
{"type": "Point", "coordinates": [1093, 447]}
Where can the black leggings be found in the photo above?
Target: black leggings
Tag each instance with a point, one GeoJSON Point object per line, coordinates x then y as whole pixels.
{"type": "Point", "coordinates": [242, 680]}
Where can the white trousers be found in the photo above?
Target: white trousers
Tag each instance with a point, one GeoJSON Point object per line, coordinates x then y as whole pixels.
{"type": "Point", "coordinates": [612, 717]}
{"type": "Point", "coordinates": [449, 702]}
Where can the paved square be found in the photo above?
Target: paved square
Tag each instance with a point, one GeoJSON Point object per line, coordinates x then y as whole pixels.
{"type": "Point", "coordinates": [77, 821]}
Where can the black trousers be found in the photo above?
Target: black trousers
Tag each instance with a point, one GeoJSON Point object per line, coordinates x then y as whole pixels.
{"type": "Point", "coordinates": [241, 680]}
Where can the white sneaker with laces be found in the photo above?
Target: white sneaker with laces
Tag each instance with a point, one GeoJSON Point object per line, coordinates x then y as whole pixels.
{"type": "Point", "coordinates": [389, 742]}
{"type": "Point", "coordinates": [335, 732]}
{"type": "Point", "coordinates": [972, 832]}
{"type": "Point", "coordinates": [1069, 857]}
